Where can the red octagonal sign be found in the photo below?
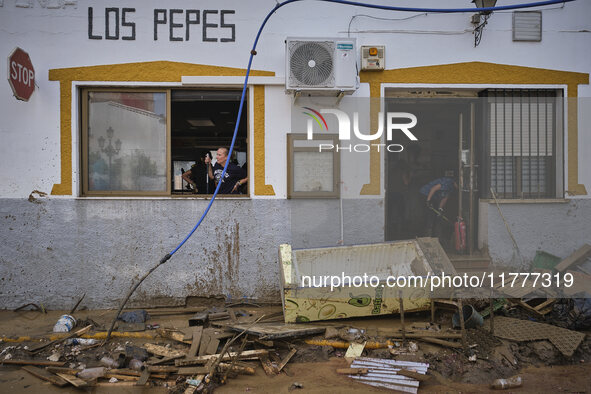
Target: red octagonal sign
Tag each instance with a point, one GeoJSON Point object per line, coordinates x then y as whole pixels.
{"type": "Point", "coordinates": [21, 74]}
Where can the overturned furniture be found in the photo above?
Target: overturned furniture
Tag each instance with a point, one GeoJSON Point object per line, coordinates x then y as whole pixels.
{"type": "Point", "coordinates": [321, 283]}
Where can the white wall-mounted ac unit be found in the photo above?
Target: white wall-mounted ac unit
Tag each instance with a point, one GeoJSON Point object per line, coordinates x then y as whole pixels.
{"type": "Point", "coordinates": [321, 66]}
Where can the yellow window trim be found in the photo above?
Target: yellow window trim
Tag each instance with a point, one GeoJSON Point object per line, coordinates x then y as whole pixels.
{"type": "Point", "coordinates": [479, 73]}
{"type": "Point", "coordinates": [158, 71]}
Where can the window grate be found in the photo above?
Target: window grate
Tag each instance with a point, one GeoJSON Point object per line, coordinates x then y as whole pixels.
{"type": "Point", "coordinates": [521, 135]}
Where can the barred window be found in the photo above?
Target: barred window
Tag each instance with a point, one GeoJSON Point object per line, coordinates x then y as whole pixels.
{"type": "Point", "coordinates": [522, 133]}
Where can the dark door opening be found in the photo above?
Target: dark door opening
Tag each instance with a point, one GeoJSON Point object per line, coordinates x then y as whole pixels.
{"type": "Point", "coordinates": [436, 154]}
{"type": "Point", "coordinates": [203, 121]}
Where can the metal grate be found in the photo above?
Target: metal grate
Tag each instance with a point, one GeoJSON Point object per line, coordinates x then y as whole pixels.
{"type": "Point", "coordinates": [521, 138]}
{"type": "Point", "coordinates": [527, 26]}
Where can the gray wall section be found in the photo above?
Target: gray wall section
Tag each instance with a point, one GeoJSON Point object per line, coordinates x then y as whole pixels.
{"type": "Point", "coordinates": [54, 250]}
{"type": "Point", "coordinates": [556, 228]}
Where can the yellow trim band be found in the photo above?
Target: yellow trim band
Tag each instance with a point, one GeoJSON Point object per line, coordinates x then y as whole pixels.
{"type": "Point", "coordinates": [479, 73]}
{"type": "Point", "coordinates": [159, 71]}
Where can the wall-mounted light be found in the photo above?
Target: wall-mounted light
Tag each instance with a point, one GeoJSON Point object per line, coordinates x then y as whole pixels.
{"type": "Point", "coordinates": [480, 19]}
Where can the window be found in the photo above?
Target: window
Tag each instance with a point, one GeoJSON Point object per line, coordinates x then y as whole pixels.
{"type": "Point", "coordinates": [139, 141]}
{"type": "Point", "coordinates": [310, 172]}
{"type": "Point", "coordinates": [522, 143]}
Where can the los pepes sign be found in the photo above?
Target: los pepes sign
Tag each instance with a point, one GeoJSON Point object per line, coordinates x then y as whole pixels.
{"type": "Point", "coordinates": [21, 74]}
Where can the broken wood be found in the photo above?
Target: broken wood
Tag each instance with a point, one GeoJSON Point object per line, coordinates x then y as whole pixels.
{"type": "Point", "coordinates": [128, 378]}
{"type": "Point", "coordinates": [286, 359]}
{"type": "Point", "coordinates": [73, 380]}
{"type": "Point", "coordinates": [192, 371]}
{"type": "Point", "coordinates": [272, 330]}
{"type": "Point", "coordinates": [173, 334]}
{"type": "Point", "coordinates": [163, 368]}
{"type": "Point", "coordinates": [165, 360]}
{"type": "Point", "coordinates": [352, 371]}
{"type": "Point", "coordinates": [268, 366]}
{"type": "Point", "coordinates": [578, 256]}
{"type": "Point", "coordinates": [69, 371]}
{"type": "Point", "coordinates": [441, 342]}
{"type": "Point", "coordinates": [38, 348]}
{"type": "Point", "coordinates": [246, 355]}
{"type": "Point", "coordinates": [143, 378]}
{"type": "Point", "coordinates": [33, 362]}
{"type": "Point", "coordinates": [239, 369]}
{"type": "Point", "coordinates": [196, 341]}
{"type": "Point", "coordinates": [412, 374]}
{"type": "Point", "coordinates": [163, 351]}
{"type": "Point", "coordinates": [45, 375]}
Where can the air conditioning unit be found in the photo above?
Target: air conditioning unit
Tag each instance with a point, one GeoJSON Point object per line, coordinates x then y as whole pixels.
{"type": "Point", "coordinates": [324, 66]}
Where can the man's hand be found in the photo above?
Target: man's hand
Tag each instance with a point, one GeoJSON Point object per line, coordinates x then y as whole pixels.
{"type": "Point", "coordinates": [429, 205]}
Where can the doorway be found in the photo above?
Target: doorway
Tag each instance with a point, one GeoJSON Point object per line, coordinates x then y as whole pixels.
{"type": "Point", "coordinates": [445, 149]}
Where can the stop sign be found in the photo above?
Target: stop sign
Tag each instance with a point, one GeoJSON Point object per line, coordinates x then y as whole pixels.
{"type": "Point", "coordinates": [21, 74]}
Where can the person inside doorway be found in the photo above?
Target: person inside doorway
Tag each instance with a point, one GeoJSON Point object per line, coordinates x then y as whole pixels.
{"type": "Point", "coordinates": [234, 178]}
{"type": "Point", "coordinates": [436, 195]}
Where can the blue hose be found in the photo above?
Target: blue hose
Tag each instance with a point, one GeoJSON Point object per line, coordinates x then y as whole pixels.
{"type": "Point", "coordinates": [344, 2]}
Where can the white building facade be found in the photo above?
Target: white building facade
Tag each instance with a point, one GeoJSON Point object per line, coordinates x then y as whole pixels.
{"type": "Point", "coordinates": [126, 96]}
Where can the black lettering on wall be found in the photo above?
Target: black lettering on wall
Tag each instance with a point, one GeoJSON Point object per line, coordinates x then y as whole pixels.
{"type": "Point", "coordinates": [159, 19]}
{"type": "Point", "coordinates": [108, 35]}
{"type": "Point", "coordinates": [173, 25]}
{"type": "Point", "coordinates": [230, 26]}
{"type": "Point", "coordinates": [91, 36]}
{"type": "Point", "coordinates": [124, 23]}
{"type": "Point", "coordinates": [189, 21]}
{"type": "Point", "coordinates": [208, 25]}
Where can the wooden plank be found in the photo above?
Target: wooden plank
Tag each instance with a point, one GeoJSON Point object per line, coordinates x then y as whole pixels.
{"type": "Point", "coordinates": [143, 378]}
{"type": "Point", "coordinates": [412, 374]}
{"type": "Point", "coordinates": [192, 371]}
{"type": "Point", "coordinates": [205, 339]}
{"type": "Point", "coordinates": [352, 371]}
{"type": "Point", "coordinates": [248, 354]}
{"type": "Point", "coordinates": [165, 360]}
{"type": "Point", "coordinates": [69, 371]}
{"type": "Point", "coordinates": [43, 363]}
{"type": "Point", "coordinates": [275, 330]}
{"type": "Point", "coordinates": [442, 342]}
{"type": "Point", "coordinates": [269, 368]}
{"type": "Point", "coordinates": [286, 359]}
{"type": "Point", "coordinates": [574, 258]}
{"type": "Point", "coordinates": [127, 378]}
{"type": "Point", "coordinates": [163, 368]}
{"type": "Point", "coordinates": [45, 375]}
{"type": "Point", "coordinates": [239, 369]}
{"type": "Point", "coordinates": [212, 347]}
{"type": "Point", "coordinates": [73, 380]}
{"type": "Point", "coordinates": [174, 335]}
{"type": "Point", "coordinates": [163, 351]}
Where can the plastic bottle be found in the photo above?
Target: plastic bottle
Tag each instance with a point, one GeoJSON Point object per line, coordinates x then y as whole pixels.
{"type": "Point", "coordinates": [501, 384]}
{"type": "Point", "coordinates": [109, 362]}
{"type": "Point", "coordinates": [81, 341]}
{"type": "Point", "coordinates": [64, 324]}
{"type": "Point", "coordinates": [91, 373]}
{"type": "Point", "coordinates": [136, 364]}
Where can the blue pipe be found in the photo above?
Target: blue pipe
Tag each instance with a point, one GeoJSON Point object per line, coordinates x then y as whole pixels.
{"type": "Point", "coordinates": [344, 2]}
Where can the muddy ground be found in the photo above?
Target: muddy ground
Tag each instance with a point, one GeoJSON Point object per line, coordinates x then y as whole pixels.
{"type": "Point", "coordinates": [542, 367]}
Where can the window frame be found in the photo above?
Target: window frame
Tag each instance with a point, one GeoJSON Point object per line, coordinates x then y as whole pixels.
{"type": "Point", "coordinates": [553, 178]}
{"type": "Point", "coordinates": [336, 162]}
{"type": "Point", "coordinates": [84, 143]}
{"type": "Point", "coordinates": [168, 191]}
